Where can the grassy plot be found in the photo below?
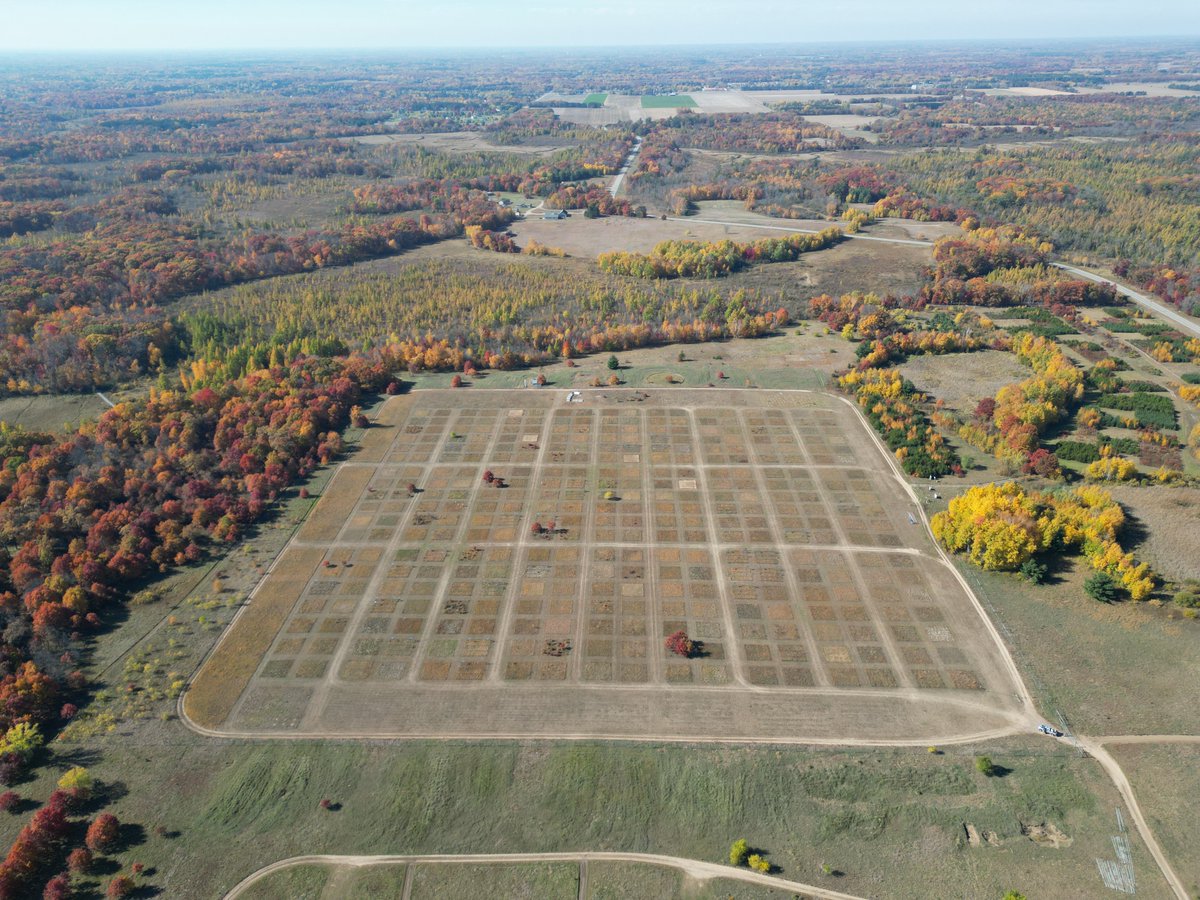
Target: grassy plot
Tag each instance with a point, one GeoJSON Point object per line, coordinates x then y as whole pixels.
{"type": "Point", "coordinates": [1112, 669]}
{"type": "Point", "coordinates": [1166, 780]}
{"type": "Point", "coordinates": [57, 412]}
{"type": "Point", "coordinates": [368, 882]}
{"type": "Point", "coordinates": [300, 882]}
{"type": "Point", "coordinates": [595, 99]}
{"type": "Point", "coordinates": [462, 881]}
{"type": "Point", "coordinates": [893, 821]}
{"type": "Point", "coordinates": [619, 880]}
{"type": "Point", "coordinates": [668, 101]}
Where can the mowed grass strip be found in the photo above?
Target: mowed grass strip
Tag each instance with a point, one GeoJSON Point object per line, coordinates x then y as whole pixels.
{"type": "Point", "coordinates": [223, 678]}
{"type": "Point", "coordinates": [336, 503]}
{"type": "Point", "coordinates": [661, 101]}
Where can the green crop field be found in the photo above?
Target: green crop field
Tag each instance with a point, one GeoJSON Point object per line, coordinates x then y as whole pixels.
{"type": "Point", "coordinates": [597, 99]}
{"type": "Point", "coordinates": [659, 101]}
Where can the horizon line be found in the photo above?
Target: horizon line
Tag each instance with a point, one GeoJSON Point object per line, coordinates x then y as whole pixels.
{"type": "Point", "coordinates": [512, 48]}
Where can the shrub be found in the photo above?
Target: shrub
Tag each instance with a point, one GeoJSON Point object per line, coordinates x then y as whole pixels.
{"type": "Point", "coordinates": [103, 833]}
{"type": "Point", "coordinates": [58, 887]}
{"type": "Point", "coordinates": [121, 886]}
{"type": "Point", "coordinates": [985, 766]}
{"type": "Point", "coordinates": [758, 863]}
{"type": "Point", "coordinates": [77, 782]}
{"type": "Point", "coordinates": [9, 801]}
{"type": "Point", "coordinates": [681, 645]}
{"type": "Point", "coordinates": [1188, 595]}
{"type": "Point", "coordinates": [1033, 571]}
{"type": "Point", "coordinates": [738, 852]}
{"type": "Point", "coordinates": [23, 739]}
{"type": "Point", "coordinates": [79, 860]}
{"type": "Point", "coordinates": [613, 363]}
{"type": "Point", "coordinates": [1101, 588]}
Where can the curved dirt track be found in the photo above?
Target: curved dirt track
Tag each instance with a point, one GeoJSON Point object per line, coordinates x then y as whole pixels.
{"type": "Point", "coordinates": [699, 869]}
{"type": "Point", "coordinates": [1095, 748]}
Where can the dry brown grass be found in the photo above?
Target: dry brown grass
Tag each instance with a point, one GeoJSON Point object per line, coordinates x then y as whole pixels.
{"type": "Point", "coordinates": [963, 379]}
{"type": "Point", "coordinates": [378, 438]}
{"type": "Point", "coordinates": [1167, 516]}
{"type": "Point", "coordinates": [225, 675]}
{"type": "Point", "coordinates": [326, 520]}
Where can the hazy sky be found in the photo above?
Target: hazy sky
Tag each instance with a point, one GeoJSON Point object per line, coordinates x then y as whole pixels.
{"type": "Point", "coordinates": [197, 24]}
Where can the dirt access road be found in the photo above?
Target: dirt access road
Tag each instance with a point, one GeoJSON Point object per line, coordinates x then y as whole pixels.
{"type": "Point", "coordinates": [694, 868]}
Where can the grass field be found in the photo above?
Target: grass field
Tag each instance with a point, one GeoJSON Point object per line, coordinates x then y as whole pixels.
{"type": "Point", "coordinates": [893, 821]}
{"type": "Point", "coordinates": [58, 412]}
{"type": "Point", "coordinates": [596, 99]}
{"type": "Point", "coordinates": [1064, 641]}
{"type": "Point", "coordinates": [672, 101]}
{"type": "Point", "coordinates": [1166, 780]}
{"type": "Point", "coordinates": [618, 880]}
{"type": "Point", "coordinates": [524, 881]}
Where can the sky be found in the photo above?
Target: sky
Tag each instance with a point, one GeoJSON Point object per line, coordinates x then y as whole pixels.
{"type": "Point", "coordinates": [104, 25]}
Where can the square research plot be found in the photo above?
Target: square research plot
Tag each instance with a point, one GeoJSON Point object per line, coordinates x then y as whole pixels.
{"type": "Point", "coordinates": [506, 563]}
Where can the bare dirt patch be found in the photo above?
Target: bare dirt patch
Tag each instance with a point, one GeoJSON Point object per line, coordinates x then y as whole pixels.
{"type": "Point", "coordinates": [1047, 834]}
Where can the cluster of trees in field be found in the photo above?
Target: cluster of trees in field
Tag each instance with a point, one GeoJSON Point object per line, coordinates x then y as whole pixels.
{"type": "Point", "coordinates": [1004, 526]}
{"type": "Point", "coordinates": [694, 259]}
{"type": "Point", "coordinates": [1011, 424]}
{"type": "Point", "coordinates": [892, 405]}
{"type": "Point", "coordinates": [1006, 267]}
{"type": "Point", "coordinates": [887, 339]}
{"type": "Point", "coordinates": [540, 175]}
{"type": "Point", "coordinates": [978, 117]}
{"type": "Point", "coordinates": [1136, 204]}
{"type": "Point", "coordinates": [52, 847]}
{"type": "Point", "coordinates": [775, 132]}
{"type": "Point", "coordinates": [594, 198]}
{"type": "Point", "coordinates": [499, 314]}
{"type": "Point", "coordinates": [147, 487]}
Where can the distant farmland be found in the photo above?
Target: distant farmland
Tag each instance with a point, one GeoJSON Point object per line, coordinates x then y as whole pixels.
{"type": "Point", "coordinates": [658, 101]}
{"type": "Point", "coordinates": [595, 99]}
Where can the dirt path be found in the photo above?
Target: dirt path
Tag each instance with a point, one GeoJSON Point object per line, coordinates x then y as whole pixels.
{"type": "Point", "coordinates": [1095, 747]}
{"type": "Point", "coordinates": [630, 160]}
{"type": "Point", "coordinates": [695, 868]}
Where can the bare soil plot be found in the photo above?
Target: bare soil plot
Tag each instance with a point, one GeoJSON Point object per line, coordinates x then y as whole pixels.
{"type": "Point", "coordinates": [767, 525]}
